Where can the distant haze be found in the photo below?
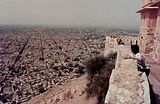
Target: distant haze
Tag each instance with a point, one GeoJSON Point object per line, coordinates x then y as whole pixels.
{"type": "Point", "coordinates": [103, 13]}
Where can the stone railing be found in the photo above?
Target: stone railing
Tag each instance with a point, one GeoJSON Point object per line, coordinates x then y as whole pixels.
{"type": "Point", "coordinates": [127, 84]}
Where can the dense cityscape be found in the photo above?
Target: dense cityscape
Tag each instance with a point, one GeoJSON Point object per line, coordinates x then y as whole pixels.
{"type": "Point", "coordinates": [32, 60]}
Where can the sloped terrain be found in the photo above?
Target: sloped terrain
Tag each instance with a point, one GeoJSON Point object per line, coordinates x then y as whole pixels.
{"type": "Point", "coordinates": [73, 92]}
{"type": "Point", "coordinates": [35, 59]}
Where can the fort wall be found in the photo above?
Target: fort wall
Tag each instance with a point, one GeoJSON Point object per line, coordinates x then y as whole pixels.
{"type": "Point", "coordinates": [127, 85]}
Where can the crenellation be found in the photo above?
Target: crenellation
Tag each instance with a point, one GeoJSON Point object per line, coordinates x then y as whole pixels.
{"type": "Point", "coordinates": [112, 41]}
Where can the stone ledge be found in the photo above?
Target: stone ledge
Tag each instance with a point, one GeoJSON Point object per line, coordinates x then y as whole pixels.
{"type": "Point", "coordinates": [126, 85]}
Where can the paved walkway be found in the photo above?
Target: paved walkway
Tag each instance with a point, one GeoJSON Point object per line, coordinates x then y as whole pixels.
{"type": "Point", "coordinates": [154, 79]}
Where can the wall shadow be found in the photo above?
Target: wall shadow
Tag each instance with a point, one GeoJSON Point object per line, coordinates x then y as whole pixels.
{"type": "Point", "coordinates": [155, 98]}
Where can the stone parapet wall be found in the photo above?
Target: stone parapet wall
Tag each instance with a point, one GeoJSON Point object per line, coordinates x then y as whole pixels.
{"type": "Point", "coordinates": [125, 38]}
{"type": "Point", "coordinates": [127, 85]}
{"type": "Point", "coordinates": [111, 42]}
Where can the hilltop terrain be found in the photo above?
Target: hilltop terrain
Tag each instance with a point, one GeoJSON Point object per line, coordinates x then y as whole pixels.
{"type": "Point", "coordinates": [34, 60]}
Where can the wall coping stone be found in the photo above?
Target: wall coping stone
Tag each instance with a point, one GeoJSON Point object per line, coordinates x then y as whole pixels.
{"type": "Point", "coordinates": [126, 85]}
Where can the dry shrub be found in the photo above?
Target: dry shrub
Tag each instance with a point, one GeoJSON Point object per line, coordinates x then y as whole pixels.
{"type": "Point", "coordinates": [99, 70]}
{"type": "Point", "coordinates": [94, 65]}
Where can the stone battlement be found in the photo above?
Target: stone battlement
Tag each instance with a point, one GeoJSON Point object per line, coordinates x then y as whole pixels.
{"type": "Point", "coordinates": [127, 85]}
{"type": "Point", "coordinates": [112, 42]}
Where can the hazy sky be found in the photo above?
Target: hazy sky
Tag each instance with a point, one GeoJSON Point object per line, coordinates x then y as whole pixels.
{"type": "Point", "coordinates": [70, 12]}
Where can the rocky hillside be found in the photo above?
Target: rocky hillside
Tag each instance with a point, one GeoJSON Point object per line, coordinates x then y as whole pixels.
{"type": "Point", "coordinates": [73, 92]}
